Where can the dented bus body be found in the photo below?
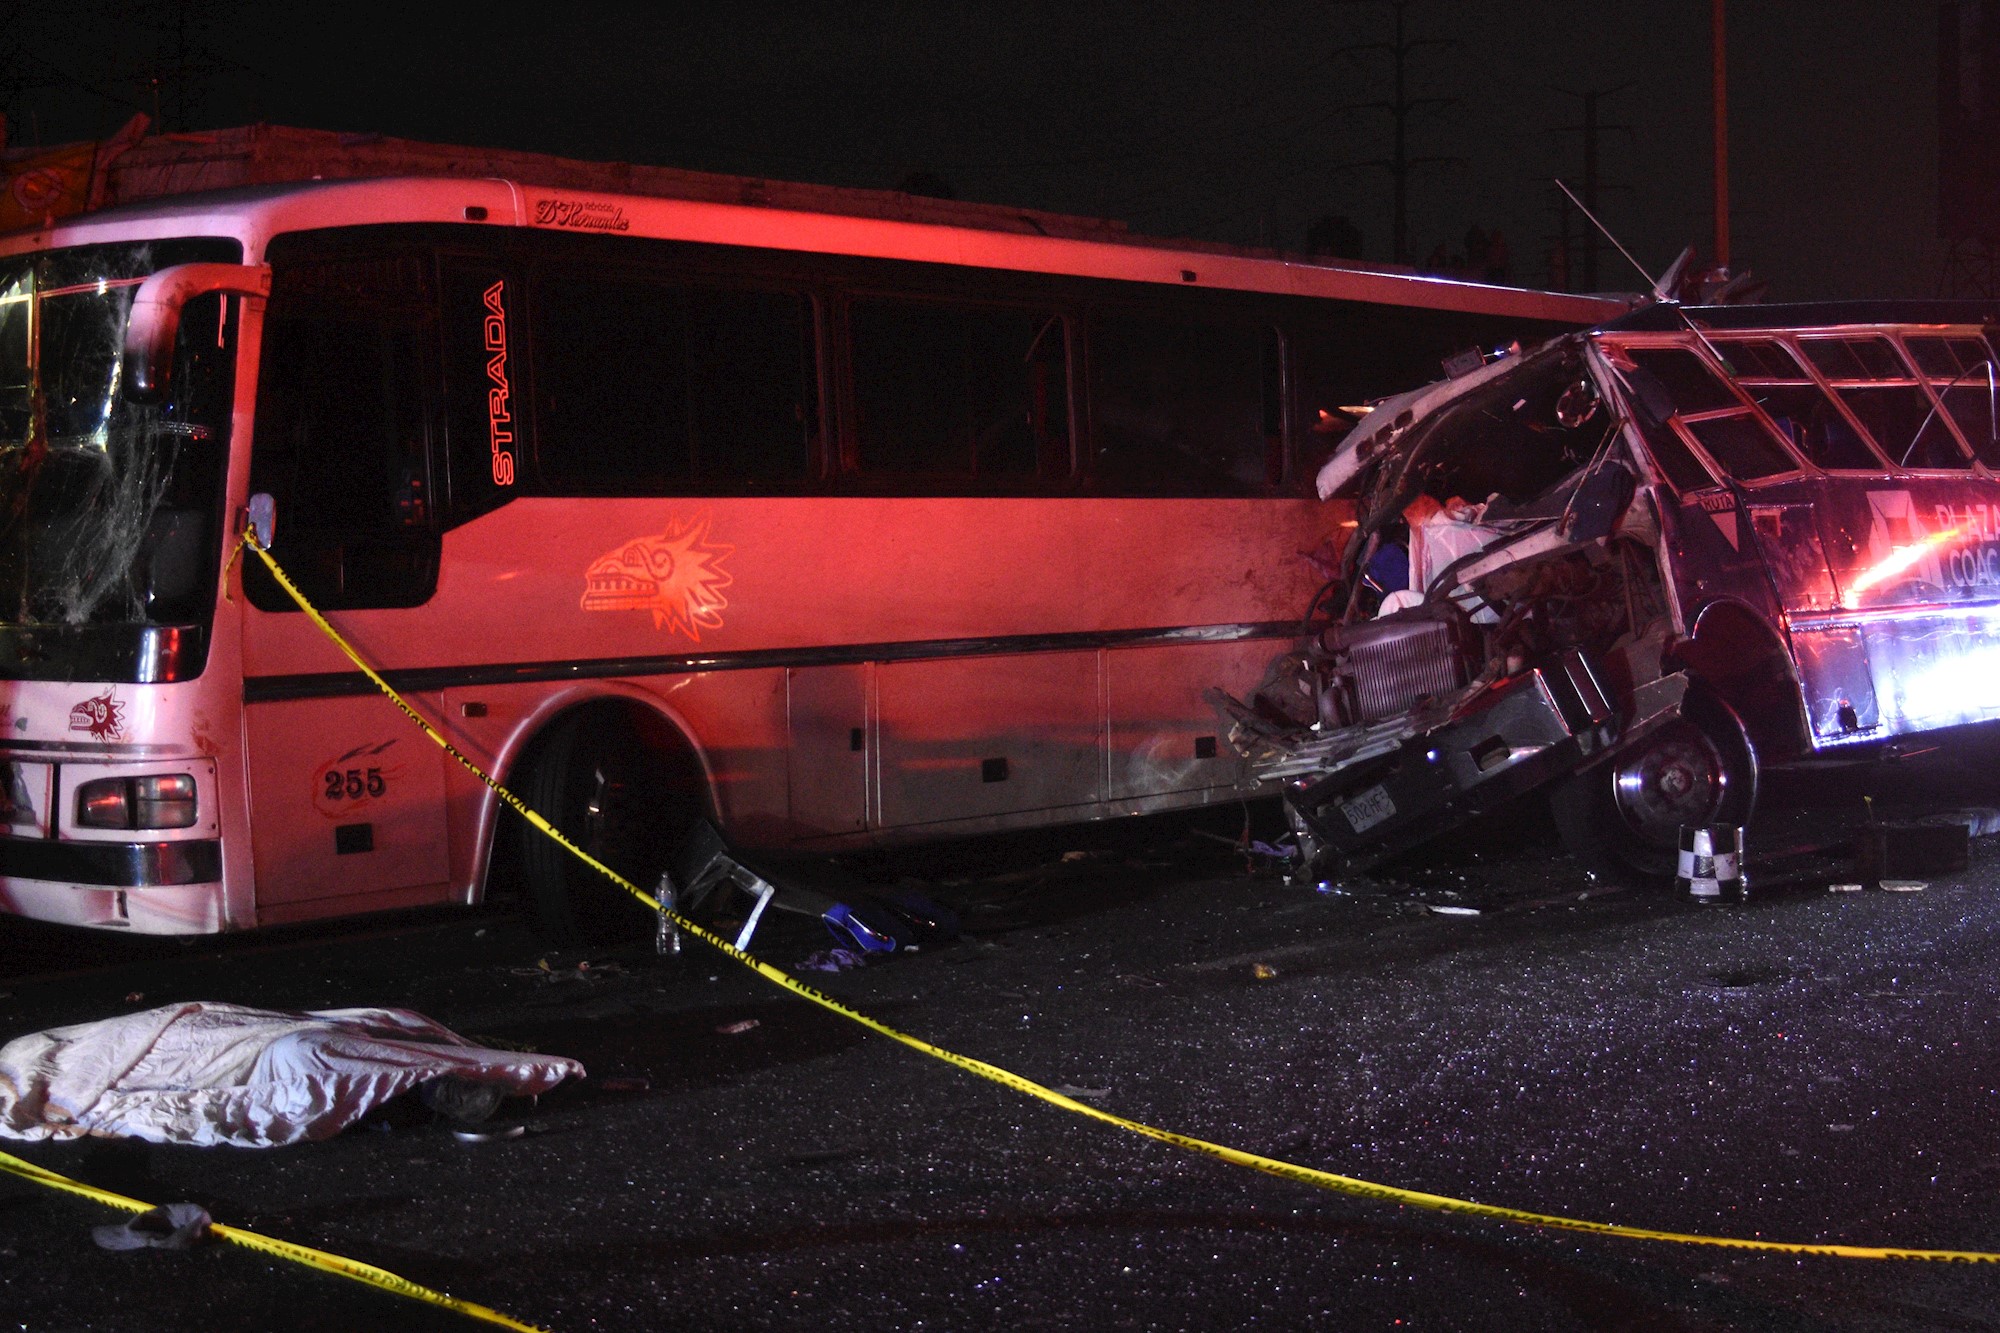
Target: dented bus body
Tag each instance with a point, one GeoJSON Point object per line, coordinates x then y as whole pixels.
{"type": "Point", "coordinates": [1637, 565]}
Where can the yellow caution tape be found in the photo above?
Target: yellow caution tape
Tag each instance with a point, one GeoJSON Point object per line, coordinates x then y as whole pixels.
{"type": "Point", "coordinates": [282, 1249]}
{"type": "Point", "coordinates": [1271, 1166]}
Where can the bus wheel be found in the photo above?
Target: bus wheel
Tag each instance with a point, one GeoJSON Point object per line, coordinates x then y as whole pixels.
{"type": "Point", "coordinates": [603, 777]}
{"type": "Point", "coordinates": [1622, 818]}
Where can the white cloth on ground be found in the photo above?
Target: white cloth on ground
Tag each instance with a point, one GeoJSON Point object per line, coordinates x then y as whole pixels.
{"type": "Point", "coordinates": [209, 1074]}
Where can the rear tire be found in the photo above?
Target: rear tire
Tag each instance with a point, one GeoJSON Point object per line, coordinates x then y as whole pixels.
{"type": "Point", "coordinates": [1622, 818]}
{"type": "Point", "coordinates": [619, 795]}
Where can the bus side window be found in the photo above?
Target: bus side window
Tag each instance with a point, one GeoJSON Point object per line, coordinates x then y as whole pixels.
{"type": "Point", "coordinates": [1766, 370]}
{"type": "Point", "coordinates": [1675, 378]}
{"type": "Point", "coordinates": [1651, 410]}
{"type": "Point", "coordinates": [1178, 406]}
{"type": "Point", "coordinates": [1961, 372]}
{"type": "Point", "coordinates": [1879, 389]}
{"type": "Point", "coordinates": [967, 397]}
{"type": "Point", "coordinates": [342, 441]}
{"type": "Point", "coordinates": [649, 387]}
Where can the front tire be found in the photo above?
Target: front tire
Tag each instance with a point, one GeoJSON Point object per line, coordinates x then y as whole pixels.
{"type": "Point", "coordinates": [1622, 818]}
{"type": "Point", "coordinates": [598, 778]}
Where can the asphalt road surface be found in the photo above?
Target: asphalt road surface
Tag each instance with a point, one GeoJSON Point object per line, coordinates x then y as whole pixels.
{"type": "Point", "coordinates": [1810, 1066]}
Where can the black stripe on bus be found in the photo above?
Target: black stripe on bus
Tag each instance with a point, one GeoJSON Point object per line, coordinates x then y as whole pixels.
{"type": "Point", "coordinates": [332, 684]}
{"type": "Point", "coordinates": [118, 865]}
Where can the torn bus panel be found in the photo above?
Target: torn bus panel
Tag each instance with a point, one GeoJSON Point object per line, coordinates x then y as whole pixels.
{"type": "Point", "coordinates": [1637, 564]}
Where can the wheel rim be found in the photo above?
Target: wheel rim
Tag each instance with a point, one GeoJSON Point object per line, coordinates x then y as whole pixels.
{"type": "Point", "coordinates": [1681, 778]}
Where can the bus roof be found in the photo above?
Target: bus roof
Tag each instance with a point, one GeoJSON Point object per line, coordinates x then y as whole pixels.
{"type": "Point", "coordinates": [276, 180]}
{"type": "Point", "coordinates": [1663, 318]}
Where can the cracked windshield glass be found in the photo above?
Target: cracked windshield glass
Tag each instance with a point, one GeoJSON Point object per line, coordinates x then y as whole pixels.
{"type": "Point", "coordinates": [109, 509]}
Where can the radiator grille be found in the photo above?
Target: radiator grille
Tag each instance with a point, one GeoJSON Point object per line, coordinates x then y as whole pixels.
{"type": "Point", "coordinates": [1392, 666]}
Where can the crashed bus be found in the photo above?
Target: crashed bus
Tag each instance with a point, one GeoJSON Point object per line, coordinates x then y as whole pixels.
{"type": "Point", "coordinates": [1637, 565]}
{"type": "Point", "coordinates": [835, 518]}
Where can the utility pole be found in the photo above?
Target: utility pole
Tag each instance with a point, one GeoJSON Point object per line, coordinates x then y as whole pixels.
{"type": "Point", "coordinates": [1592, 129]}
{"type": "Point", "coordinates": [1719, 43]}
{"type": "Point", "coordinates": [1400, 106]}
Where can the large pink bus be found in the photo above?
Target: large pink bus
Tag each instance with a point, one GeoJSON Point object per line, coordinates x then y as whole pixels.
{"type": "Point", "coordinates": [834, 529]}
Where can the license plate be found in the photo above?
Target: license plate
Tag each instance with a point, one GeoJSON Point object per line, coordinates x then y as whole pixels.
{"type": "Point", "coordinates": [1368, 809]}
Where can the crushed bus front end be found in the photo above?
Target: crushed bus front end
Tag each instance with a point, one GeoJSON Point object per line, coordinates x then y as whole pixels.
{"type": "Point", "coordinates": [1634, 567]}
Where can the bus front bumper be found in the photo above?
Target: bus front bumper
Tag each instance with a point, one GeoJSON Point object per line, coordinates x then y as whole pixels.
{"type": "Point", "coordinates": [151, 888]}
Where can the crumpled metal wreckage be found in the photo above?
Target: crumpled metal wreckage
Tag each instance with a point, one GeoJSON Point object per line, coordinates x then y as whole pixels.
{"type": "Point", "coordinates": [1634, 566]}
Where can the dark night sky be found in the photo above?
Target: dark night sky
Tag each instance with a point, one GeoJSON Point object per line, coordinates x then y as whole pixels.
{"type": "Point", "coordinates": [1227, 121]}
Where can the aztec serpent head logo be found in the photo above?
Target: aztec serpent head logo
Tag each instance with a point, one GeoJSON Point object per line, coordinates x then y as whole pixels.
{"type": "Point", "coordinates": [103, 717]}
{"type": "Point", "coordinates": [677, 575]}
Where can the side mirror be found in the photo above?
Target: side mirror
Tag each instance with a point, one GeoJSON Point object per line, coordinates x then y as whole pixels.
{"type": "Point", "coordinates": [156, 318]}
{"type": "Point", "coordinates": [264, 518]}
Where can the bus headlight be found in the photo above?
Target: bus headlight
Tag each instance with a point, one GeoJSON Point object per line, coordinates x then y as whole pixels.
{"type": "Point", "coordinates": [162, 801]}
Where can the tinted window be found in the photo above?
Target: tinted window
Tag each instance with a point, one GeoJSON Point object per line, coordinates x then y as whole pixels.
{"type": "Point", "coordinates": [1687, 379]}
{"type": "Point", "coordinates": [1939, 357]}
{"type": "Point", "coordinates": [1975, 409]}
{"type": "Point", "coordinates": [1808, 418]}
{"type": "Point", "coordinates": [1761, 358]}
{"type": "Point", "coordinates": [1854, 358]}
{"type": "Point", "coordinates": [652, 388]}
{"type": "Point", "coordinates": [1901, 419]}
{"type": "Point", "coordinates": [1675, 459]}
{"type": "Point", "coordinates": [942, 391]}
{"type": "Point", "coordinates": [1742, 446]}
{"type": "Point", "coordinates": [342, 432]}
{"type": "Point", "coordinates": [1183, 408]}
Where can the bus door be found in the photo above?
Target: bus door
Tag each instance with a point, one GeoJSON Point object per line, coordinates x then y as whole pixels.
{"type": "Point", "coordinates": [346, 796]}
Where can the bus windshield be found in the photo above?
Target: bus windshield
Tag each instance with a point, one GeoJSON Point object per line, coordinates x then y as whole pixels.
{"type": "Point", "coordinates": [109, 509]}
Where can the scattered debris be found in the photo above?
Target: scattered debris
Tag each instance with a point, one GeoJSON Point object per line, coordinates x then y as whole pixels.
{"type": "Point", "coordinates": [901, 920]}
{"type": "Point", "coordinates": [493, 1135]}
{"type": "Point", "coordinates": [1263, 971]}
{"type": "Point", "coordinates": [832, 960]}
{"type": "Point", "coordinates": [171, 1226]}
{"type": "Point", "coordinates": [585, 970]}
{"type": "Point", "coordinates": [738, 1028]}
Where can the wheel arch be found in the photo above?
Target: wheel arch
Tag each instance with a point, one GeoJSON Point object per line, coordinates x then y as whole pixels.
{"type": "Point", "coordinates": [1736, 654]}
{"type": "Point", "coordinates": [659, 725]}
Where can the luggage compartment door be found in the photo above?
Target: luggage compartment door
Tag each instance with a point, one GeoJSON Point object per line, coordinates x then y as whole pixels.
{"type": "Point", "coordinates": [976, 736]}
